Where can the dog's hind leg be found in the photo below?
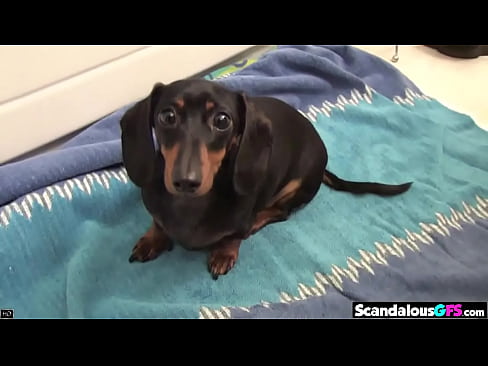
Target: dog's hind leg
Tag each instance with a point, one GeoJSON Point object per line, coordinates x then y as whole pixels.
{"type": "Point", "coordinates": [268, 216]}
{"type": "Point", "coordinates": [282, 207]}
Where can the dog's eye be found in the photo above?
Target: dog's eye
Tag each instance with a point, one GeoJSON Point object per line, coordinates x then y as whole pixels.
{"type": "Point", "coordinates": [167, 117]}
{"type": "Point", "coordinates": [222, 121]}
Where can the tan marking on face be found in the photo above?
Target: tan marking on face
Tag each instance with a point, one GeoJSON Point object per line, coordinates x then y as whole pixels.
{"type": "Point", "coordinates": [286, 193]}
{"type": "Point", "coordinates": [209, 105]}
{"type": "Point", "coordinates": [180, 103]}
{"type": "Point", "coordinates": [169, 159]}
{"type": "Point", "coordinates": [211, 161]}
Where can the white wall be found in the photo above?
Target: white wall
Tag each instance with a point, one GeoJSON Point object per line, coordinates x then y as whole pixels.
{"type": "Point", "coordinates": [47, 92]}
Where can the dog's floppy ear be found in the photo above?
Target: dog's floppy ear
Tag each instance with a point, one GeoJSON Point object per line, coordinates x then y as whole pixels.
{"type": "Point", "coordinates": [137, 141]}
{"type": "Point", "coordinates": [252, 158]}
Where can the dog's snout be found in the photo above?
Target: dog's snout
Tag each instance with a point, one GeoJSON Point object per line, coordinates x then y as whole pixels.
{"type": "Point", "coordinates": [187, 170]}
{"type": "Point", "coordinates": [188, 184]}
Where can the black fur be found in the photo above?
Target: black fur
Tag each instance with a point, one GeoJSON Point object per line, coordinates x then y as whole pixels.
{"type": "Point", "coordinates": [266, 164]}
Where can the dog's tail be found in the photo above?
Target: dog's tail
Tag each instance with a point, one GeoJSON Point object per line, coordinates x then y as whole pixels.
{"type": "Point", "coordinates": [339, 184]}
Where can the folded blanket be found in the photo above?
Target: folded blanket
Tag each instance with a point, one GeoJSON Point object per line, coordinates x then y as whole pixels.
{"type": "Point", "coordinates": [64, 249]}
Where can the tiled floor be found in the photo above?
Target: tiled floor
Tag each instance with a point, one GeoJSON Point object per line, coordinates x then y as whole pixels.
{"type": "Point", "coordinates": [459, 84]}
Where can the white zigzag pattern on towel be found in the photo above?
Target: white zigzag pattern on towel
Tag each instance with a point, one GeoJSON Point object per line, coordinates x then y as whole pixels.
{"type": "Point", "coordinates": [64, 190]}
{"type": "Point", "coordinates": [397, 247]}
{"type": "Point", "coordinates": [356, 97]}
{"type": "Point", "coordinates": [410, 97]}
{"type": "Point", "coordinates": [412, 241]}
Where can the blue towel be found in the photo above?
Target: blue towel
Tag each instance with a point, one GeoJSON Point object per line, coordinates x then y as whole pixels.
{"type": "Point", "coordinates": [64, 249]}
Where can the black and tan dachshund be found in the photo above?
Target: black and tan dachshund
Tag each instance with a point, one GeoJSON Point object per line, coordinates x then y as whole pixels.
{"type": "Point", "coordinates": [220, 166]}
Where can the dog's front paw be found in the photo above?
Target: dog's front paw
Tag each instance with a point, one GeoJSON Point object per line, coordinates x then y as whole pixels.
{"type": "Point", "coordinates": [223, 258]}
{"type": "Point", "coordinates": [148, 249]}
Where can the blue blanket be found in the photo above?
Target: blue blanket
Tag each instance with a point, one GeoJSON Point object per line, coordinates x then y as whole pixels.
{"type": "Point", "coordinates": [64, 246]}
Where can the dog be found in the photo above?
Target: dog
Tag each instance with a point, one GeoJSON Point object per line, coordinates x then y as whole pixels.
{"type": "Point", "coordinates": [216, 166]}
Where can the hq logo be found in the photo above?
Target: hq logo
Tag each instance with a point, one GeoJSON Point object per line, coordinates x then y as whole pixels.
{"type": "Point", "coordinates": [448, 310]}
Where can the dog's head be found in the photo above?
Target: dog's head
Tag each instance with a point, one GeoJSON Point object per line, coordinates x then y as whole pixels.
{"type": "Point", "coordinates": [196, 123]}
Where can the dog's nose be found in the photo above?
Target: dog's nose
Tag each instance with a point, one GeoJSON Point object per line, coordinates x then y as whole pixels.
{"type": "Point", "coordinates": [187, 185]}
